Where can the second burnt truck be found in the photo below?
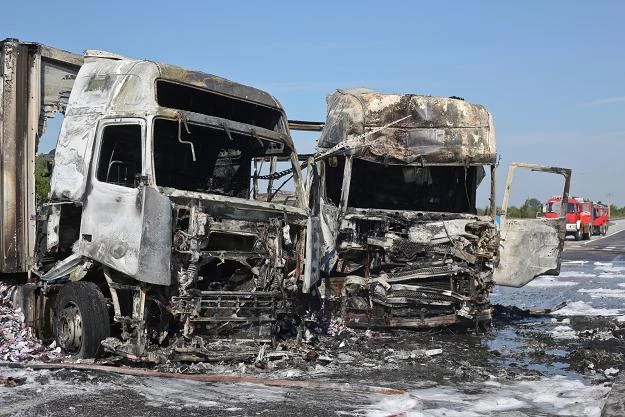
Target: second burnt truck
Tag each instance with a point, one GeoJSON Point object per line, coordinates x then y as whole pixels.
{"type": "Point", "coordinates": [403, 245]}
{"type": "Point", "coordinates": [153, 235]}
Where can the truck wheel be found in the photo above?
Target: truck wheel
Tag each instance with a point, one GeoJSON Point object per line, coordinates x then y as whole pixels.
{"type": "Point", "coordinates": [604, 230]}
{"type": "Point", "coordinates": [578, 235]}
{"type": "Point", "coordinates": [81, 319]}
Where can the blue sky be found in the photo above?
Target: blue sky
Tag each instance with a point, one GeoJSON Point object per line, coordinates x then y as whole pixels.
{"type": "Point", "coordinates": [551, 72]}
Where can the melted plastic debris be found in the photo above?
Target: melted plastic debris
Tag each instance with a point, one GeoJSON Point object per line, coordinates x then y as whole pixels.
{"type": "Point", "coordinates": [18, 341]}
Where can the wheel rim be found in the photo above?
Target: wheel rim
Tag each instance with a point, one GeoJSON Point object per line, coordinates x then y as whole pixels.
{"type": "Point", "coordinates": [70, 328]}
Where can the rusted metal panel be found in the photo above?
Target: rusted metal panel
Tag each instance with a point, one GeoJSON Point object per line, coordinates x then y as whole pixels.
{"type": "Point", "coordinates": [129, 230]}
{"type": "Point", "coordinates": [407, 128]}
{"type": "Point", "coordinates": [11, 230]}
{"type": "Point", "coordinates": [18, 204]}
{"type": "Point", "coordinates": [59, 56]}
{"type": "Point", "coordinates": [57, 84]}
{"type": "Point", "coordinates": [306, 126]}
{"type": "Point", "coordinates": [30, 92]}
{"type": "Point", "coordinates": [217, 84]}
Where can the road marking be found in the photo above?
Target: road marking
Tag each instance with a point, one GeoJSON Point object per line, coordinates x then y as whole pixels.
{"type": "Point", "coordinates": [616, 224]}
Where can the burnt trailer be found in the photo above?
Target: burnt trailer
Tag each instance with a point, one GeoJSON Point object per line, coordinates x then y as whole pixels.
{"type": "Point", "coordinates": [402, 244]}
{"type": "Point", "coordinates": [153, 235]}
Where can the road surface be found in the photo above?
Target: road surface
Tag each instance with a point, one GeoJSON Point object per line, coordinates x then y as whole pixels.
{"type": "Point", "coordinates": [564, 363]}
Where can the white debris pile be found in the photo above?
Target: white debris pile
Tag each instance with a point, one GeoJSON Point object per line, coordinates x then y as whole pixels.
{"type": "Point", "coordinates": [18, 341]}
{"type": "Point", "coordinates": [338, 327]}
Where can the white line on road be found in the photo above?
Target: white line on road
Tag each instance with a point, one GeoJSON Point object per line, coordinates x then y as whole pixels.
{"type": "Point", "coordinates": [619, 225]}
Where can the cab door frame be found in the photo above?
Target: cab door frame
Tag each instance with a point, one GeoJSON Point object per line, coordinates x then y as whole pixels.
{"type": "Point", "coordinates": [126, 227]}
{"type": "Point", "coordinates": [530, 247]}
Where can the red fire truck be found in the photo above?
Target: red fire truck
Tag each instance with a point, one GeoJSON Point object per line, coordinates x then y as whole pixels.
{"type": "Point", "coordinates": [601, 218]}
{"type": "Point", "coordinates": [579, 219]}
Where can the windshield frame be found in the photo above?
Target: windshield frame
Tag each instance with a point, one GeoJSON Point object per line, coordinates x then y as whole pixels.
{"type": "Point", "coordinates": [231, 130]}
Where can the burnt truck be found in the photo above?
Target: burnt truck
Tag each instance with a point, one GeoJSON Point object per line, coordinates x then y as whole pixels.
{"type": "Point", "coordinates": [154, 237]}
{"type": "Point", "coordinates": [401, 242]}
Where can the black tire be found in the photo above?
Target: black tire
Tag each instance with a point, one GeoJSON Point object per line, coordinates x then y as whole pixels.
{"type": "Point", "coordinates": [578, 235]}
{"type": "Point", "coordinates": [605, 230]}
{"type": "Point", "coordinates": [81, 319]}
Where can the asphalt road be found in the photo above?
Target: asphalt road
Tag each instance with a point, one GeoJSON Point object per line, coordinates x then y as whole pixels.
{"type": "Point", "coordinates": [610, 247]}
{"type": "Point", "coordinates": [563, 363]}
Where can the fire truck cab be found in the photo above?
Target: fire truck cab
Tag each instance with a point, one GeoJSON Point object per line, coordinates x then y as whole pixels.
{"type": "Point", "coordinates": [579, 215]}
{"type": "Point", "coordinates": [601, 218]}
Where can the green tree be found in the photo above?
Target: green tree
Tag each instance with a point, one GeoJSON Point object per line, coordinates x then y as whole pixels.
{"type": "Point", "coordinates": [528, 210]}
{"type": "Point", "coordinates": [514, 212]}
{"type": "Point", "coordinates": [616, 212]}
{"type": "Point", "coordinates": [42, 177]}
{"type": "Point", "coordinates": [531, 207]}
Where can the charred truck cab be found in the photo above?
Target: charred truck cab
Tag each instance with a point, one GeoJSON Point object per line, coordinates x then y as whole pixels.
{"type": "Point", "coordinates": [402, 243]}
{"type": "Point", "coordinates": [153, 236]}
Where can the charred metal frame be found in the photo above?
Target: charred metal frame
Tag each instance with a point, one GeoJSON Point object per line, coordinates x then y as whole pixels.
{"type": "Point", "coordinates": [179, 267]}
{"type": "Point", "coordinates": [421, 249]}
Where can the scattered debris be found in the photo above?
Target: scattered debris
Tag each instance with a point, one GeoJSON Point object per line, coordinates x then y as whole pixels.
{"type": "Point", "coordinates": [433, 352]}
{"type": "Point", "coordinates": [18, 341]}
{"type": "Point", "coordinates": [13, 381]}
{"type": "Point", "coordinates": [511, 313]}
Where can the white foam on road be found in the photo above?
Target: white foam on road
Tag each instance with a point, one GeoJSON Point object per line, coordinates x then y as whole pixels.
{"type": "Point", "coordinates": [549, 396]}
{"type": "Point", "coordinates": [41, 387]}
{"type": "Point", "coordinates": [603, 292]}
{"type": "Point", "coordinates": [179, 394]}
{"type": "Point", "coordinates": [545, 281]}
{"type": "Point", "coordinates": [574, 262]}
{"type": "Point", "coordinates": [610, 268]}
{"type": "Point", "coordinates": [576, 274]}
{"type": "Point", "coordinates": [563, 332]}
{"type": "Point", "coordinates": [611, 275]}
{"type": "Point", "coordinates": [582, 308]}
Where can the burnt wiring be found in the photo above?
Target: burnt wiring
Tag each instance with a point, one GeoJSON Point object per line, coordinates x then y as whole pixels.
{"type": "Point", "coordinates": [182, 119]}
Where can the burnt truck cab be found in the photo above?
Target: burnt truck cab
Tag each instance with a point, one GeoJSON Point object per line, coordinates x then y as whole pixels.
{"type": "Point", "coordinates": [402, 243]}
{"type": "Point", "coordinates": [152, 202]}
